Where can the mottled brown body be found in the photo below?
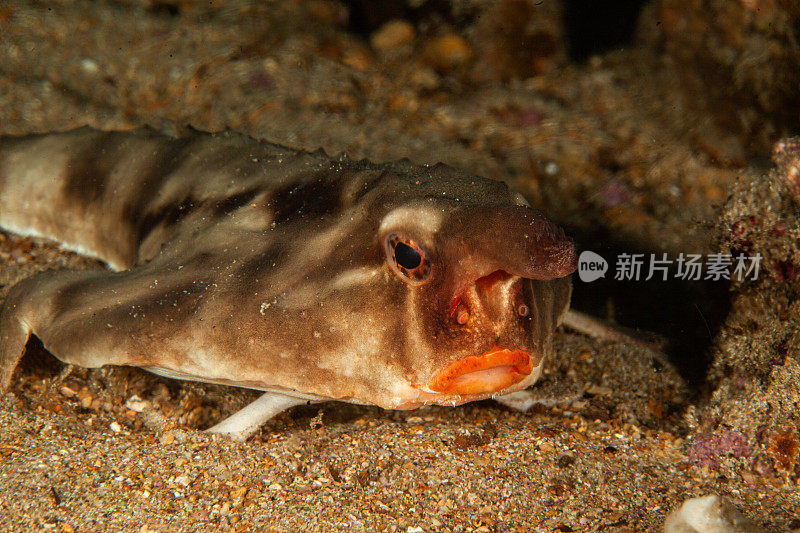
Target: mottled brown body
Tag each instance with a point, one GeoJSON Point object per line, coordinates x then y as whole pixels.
{"type": "Point", "coordinates": [242, 262]}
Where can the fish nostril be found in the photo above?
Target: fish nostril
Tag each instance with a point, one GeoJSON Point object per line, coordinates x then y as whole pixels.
{"type": "Point", "coordinates": [459, 312]}
{"type": "Point", "coordinates": [488, 282]}
{"type": "Point", "coordinates": [523, 310]}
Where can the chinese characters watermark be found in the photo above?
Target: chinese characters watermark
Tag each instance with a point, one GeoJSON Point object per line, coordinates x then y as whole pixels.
{"type": "Point", "coordinates": [687, 267]}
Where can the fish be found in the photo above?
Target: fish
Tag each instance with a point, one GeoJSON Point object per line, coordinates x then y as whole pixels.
{"type": "Point", "coordinates": [235, 261]}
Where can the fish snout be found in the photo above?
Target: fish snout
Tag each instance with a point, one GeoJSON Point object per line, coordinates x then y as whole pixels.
{"type": "Point", "coordinates": [498, 294]}
{"type": "Point", "coordinates": [493, 303]}
{"type": "Point", "coordinates": [494, 370]}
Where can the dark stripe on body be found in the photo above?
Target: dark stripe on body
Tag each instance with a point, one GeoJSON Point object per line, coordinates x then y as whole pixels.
{"type": "Point", "coordinates": [87, 171]}
{"type": "Point", "coordinates": [72, 295]}
{"type": "Point", "coordinates": [307, 199]}
{"type": "Point", "coordinates": [168, 157]}
{"type": "Point", "coordinates": [234, 202]}
{"type": "Point", "coordinates": [168, 215]}
{"type": "Point", "coordinates": [262, 265]}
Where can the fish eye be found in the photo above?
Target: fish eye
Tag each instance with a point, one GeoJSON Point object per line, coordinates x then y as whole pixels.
{"type": "Point", "coordinates": [407, 259]}
{"type": "Point", "coordinates": [406, 256]}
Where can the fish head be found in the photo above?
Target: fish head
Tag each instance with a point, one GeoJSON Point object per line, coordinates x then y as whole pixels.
{"type": "Point", "coordinates": [428, 286]}
{"type": "Point", "coordinates": [483, 286]}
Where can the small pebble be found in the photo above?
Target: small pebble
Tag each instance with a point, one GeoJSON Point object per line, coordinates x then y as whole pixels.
{"type": "Point", "coordinates": [86, 401]}
{"type": "Point", "coordinates": [708, 514]}
{"type": "Point", "coordinates": [392, 36]}
{"type": "Point", "coordinates": [89, 65]}
{"type": "Point", "coordinates": [448, 52]}
{"type": "Point", "coordinates": [135, 403]}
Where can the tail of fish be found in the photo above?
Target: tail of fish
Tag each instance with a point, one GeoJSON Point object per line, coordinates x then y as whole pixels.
{"type": "Point", "coordinates": [104, 194]}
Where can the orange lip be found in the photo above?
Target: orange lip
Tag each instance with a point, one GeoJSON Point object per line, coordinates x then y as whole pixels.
{"type": "Point", "coordinates": [492, 371]}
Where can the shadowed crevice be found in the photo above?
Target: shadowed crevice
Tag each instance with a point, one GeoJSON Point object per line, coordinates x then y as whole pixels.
{"type": "Point", "coordinates": [689, 314]}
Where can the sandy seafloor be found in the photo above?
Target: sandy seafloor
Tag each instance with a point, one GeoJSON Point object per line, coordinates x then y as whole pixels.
{"type": "Point", "coordinates": [601, 146]}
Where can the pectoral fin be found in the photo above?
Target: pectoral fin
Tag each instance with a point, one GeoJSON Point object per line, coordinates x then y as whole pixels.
{"type": "Point", "coordinates": [97, 317]}
{"type": "Point", "coordinates": [27, 311]}
{"type": "Point", "coordinates": [14, 333]}
{"type": "Point", "coordinates": [94, 318]}
{"type": "Point", "coordinates": [240, 425]}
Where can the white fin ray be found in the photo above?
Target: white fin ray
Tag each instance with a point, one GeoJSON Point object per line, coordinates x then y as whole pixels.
{"type": "Point", "coordinates": [246, 421]}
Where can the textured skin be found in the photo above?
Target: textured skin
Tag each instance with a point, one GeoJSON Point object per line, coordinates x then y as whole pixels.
{"type": "Point", "coordinates": [246, 263]}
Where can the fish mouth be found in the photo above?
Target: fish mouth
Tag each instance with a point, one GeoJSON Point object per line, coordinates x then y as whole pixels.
{"type": "Point", "coordinates": [492, 371]}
